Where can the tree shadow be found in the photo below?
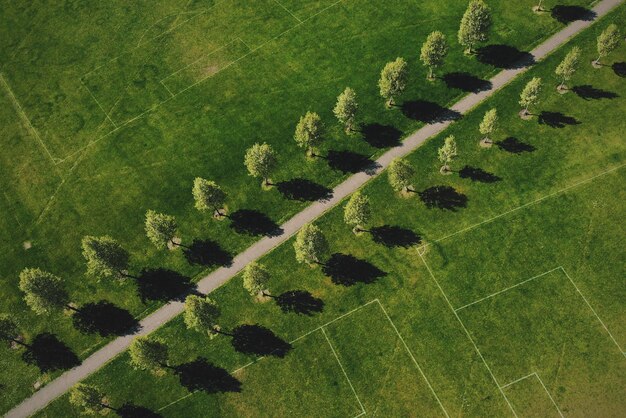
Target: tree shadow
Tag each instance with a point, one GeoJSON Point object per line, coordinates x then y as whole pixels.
{"type": "Point", "coordinates": [619, 68]}
{"type": "Point", "coordinates": [428, 112]}
{"type": "Point", "coordinates": [258, 340]}
{"type": "Point", "coordinates": [350, 162]}
{"type": "Point", "coordinates": [253, 222]}
{"type": "Point", "coordinates": [105, 319]}
{"type": "Point", "coordinates": [347, 270]}
{"type": "Point", "coordinates": [588, 92]}
{"type": "Point", "coordinates": [381, 136]}
{"type": "Point", "coordinates": [300, 302]}
{"type": "Point", "coordinates": [163, 285]}
{"type": "Point", "coordinates": [504, 56]}
{"type": "Point", "coordinates": [202, 375]}
{"type": "Point", "coordinates": [443, 197]}
{"type": "Point", "coordinates": [556, 119]}
{"type": "Point", "coordinates": [478, 175]}
{"type": "Point", "coordinates": [394, 236]}
{"type": "Point", "coordinates": [48, 353]}
{"type": "Point", "coordinates": [207, 252]}
{"type": "Point", "coordinates": [514, 146]}
{"type": "Point", "coordinates": [130, 410]}
{"type": "Point", "coordinates": [304, 190]}
{"type": "Point", "coordinates": [466, 82]}
{"type": "Point", "coordinates": [569, 14]}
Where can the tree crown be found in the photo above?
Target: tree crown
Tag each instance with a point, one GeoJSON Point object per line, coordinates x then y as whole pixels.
{"type": "Point", "coordinates": [8, 328]}
{"type": "Point", "coordinates": [489, 122]}
{"type": "Point", "coordinates": [160, 228]}
{"type": "Point", "coordinates": [608, 40]}
{"type": "Point", "coordinates": [87, 397]}
{"type": "Point", "coordinates": [310, 245]}
{"type": "Point", "coordinates": [255, 278]}
{"type": "Point", "coordinates": [148, 353]}
{"type": "Point", "coordinates": [44, 292]}
{"type": "Point", "coordinates": [530, 94]}
{"type": "Point", "coordinates": [566, 69]}
{"type": "Point", "coordinates": [309, 130]}
{"type": "Point", "coordinates": [434, 49]}
{"type": "Point", "coordinates": [201, 313]}
{"type": "Point", "coordinates": [448, 151]}
{"type": "Point", "coordinates": [357, 211]}
{"type": "Point", "coordinates": [207, 194]}
{"type": "Point", "coordinates": [475, 23]}
{"type": "Point", "coordinates": [260, 160]}
{"type": "Point", "coordinates": [346, 107]}
{"type": "Point", "coordinates": [105, 257]}
{"type": "Point", "coordinates": [393, 78]}
{"type": "Point", "coordinates": [400, 173]}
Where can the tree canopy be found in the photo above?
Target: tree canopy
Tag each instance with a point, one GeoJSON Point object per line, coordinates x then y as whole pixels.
{"type": "Point", "coordinates": [255, 278]}
{"type": "Point", "coordinates": [160, 228]}
{"type": "Point", "coordinates": [208, 195]}
{"type": "Point", "coordinates": [201, 313]}
{"type": "Point", "coordinates": [105, 257]}
{"type": "Point", "coordinates": [447, 152]}
{"type": "Point", "coordinates": [346, 108]}
{"type": "Point", "coordinates": [43, 292]}
{"type": "Point", "coordinates": [357, 211]}
{"type": "Point", "coordinates": [260, 160]}
{"type": "Point", "coordinates": [393, 79]}
{"type": "Point", "coordinates": [566, 69]}
{"type": "Point", "coordinates": [309, 131]}
{"type": "Point", "coordinates": [608, 40]}
{"type": "Point", "coordinates": [310, 245]}
{"type": "Point", "coordinates": [87, 397]}
{"type": "Point", "coordinates": [530, 94]}
{"type": "Point", "coordinates": [475, 24]}
{"type": "Point", "coordinates": [434, 52]}
{"type": "Point", "coordinates": [400, 173]}
{"type": "Point", "coordinates": [489, 124]}
{"type": "Point", "coordinates": [148, 354]}
{"type": "Point", "coordinates": [9, 331]}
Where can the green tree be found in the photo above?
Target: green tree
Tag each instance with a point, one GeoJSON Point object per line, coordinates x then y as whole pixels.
{"type": "Point", "coordinates": [105, 257]}
{"type": "Point", "coordinates": [475, 25]}
{"type": "Point", "coordinates": [309, 132]}
{"type": "Point", "coordinates": [310, 245]}
{"type": "Point", "coordinates": [260, 160]}
{"type": "Point", "coordinates": [9, 331]}
{"type": "Point", "coordinates": [346, 108]}
{"type": "Point", "coordinates": [400, 173]}
{"type": "Point", "coordinates": [88, 398]}
{"type": "Point", "coordinates": [43, 292]}
{"type": "Point", "coordinates": [566, 69]}
{"type": "Point", "coordinates": [530, 95]}
{"type": "Point", "coordinates": [255, 279]}
{"type": "Point", "coordinates": [208, 195]}
{"type": "Point", "coordinates": [148, 354]}
{"type": "Point", "coordinates": [489, 125]}
{"type": "Point", "coordinates": [607, 41]}
{"type": "Point", "coordinates": [393, 79]}
{"type": "Point", "coordinates": [357, 211]}
{"type": "Point", "coordinates": [447, 153]}
{"type": "Point", "coordinates": [201, 313]}
{"type": "Point", "coordinates": [434, 52]}
{"type": "Point", "coordinates": [161, 229]}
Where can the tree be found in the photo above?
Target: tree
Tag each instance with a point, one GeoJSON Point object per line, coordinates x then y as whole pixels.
{"type": "Point", "coordinates": [489, 125]}
{"type": "Point", "coordinates": [201, 313]}
{"type": "Point", "coordinates": [208, 195]}
{"type": "Point", "coordinates": [400, 174]}
{"type": "Point", "coordinates": [260, 161]}
{"type": "Point", "coordinates": [433, 52]}
{"type": "Point", "coordinates": [393, 80]}
{"type": "Point", "coordinates": [357, 211]}
{"type": "Point", "coordinates": [255, 278]}
{"type": "Point", "coordinates": [88, 397]}
{"type": "Point", "coordinates": [44, 292]}
{"type": "Point", "coordinates": [309, 132]}
{"type": "Point", "coordinates": [148, 354]}
{"type": "Point", "coordinates": [105, 257]}
{"type": "Point", "coordinates": [530, 94]}
{"type": "Point", "coordinates": [9, 331]}
{"type": "Point", "coordinates": [539, 6]}
{"type": "Point", "coordinates": [346, 108]}
{"type": "Point", "coordinates": [447, 153]}
{"type": "Point", "coordinates": [566, 69]}
{"type": "Point", "coordinates": [607, 42]}
{"type": "Point", "coordinates": [310, 245]}
{"type": "Point", "coordinates": [161, 229]}
{"type": "Point", "coordinates": [475, 25]}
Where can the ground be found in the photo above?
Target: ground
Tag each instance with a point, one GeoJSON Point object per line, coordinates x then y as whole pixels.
{"type": "Point", "coordinates": [494, 291]}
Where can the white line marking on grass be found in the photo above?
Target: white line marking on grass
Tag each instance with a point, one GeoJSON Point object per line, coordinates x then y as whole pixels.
{"type": "Point", "coordinates": [412, 357]}
{"type": "Point", "coordinates": [98, 103]}
{"type": "Point", "coordinates": [542, 385]}
{"type": "Point", "coordinates": [166, 88]}
{"type": "Point", "coordinates": [508, 288]}
{"type": "Point", "coordinates": [176, 401]}
{"type": "Point", "coordinates": [518, 380]}
{"type": "Point", "coordinates": [468, 335]}
{"type": "Point", "coordinates": [344, 372]}
{"type": "Point", "coordinates": [287, 10]}
{"type": "Point", "coordinates": [594, 312]}
{"type": "Point", "coordinates": [201, 58]}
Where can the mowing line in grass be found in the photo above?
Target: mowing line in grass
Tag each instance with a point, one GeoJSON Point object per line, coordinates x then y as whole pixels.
{"type": "Point", "coordinates": [98, 103]}
{"type": "Point", "coordinates": [288, 11]}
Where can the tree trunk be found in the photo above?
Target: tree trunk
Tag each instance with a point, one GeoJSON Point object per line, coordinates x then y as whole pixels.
{"type": "Point", "coordinates": [130, 276]}
{"type": "Point", "coordinates": [219, 213]}
{"type": "Point", "coordinates": [268, 295]}
{"type": "Point", "coordinates": [16, 341]}
{"type": "Point", "coordinates": [218, 331]}
{"type": "Point", "coordinates": [431, 75]}
{"type": "Point", "coordinates": [71, 308]}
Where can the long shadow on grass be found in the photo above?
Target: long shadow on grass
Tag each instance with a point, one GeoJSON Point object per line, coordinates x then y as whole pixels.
{"type": "Point", "coordinates": [466, 82]}
{"type": "Point", "coordinates": [207, 252]}
{"type": "Point", "coordinates": [568, 14]}
{"type": "Point", "coordinates": [130, 410]}
{"type": "Point", "coordinates": [478, 175]}
{"type": "Point", "coordinates": [514, 146]}
{"type": "Point", "coordinates": [350, 162]}
{"type": "Point", "coordinates": [588, 92]}
{"type": "Point", "coordinates": [300, 302]}
{"type": "Point", "coordinates": [48, 353]}
{"type": "Point", "coordinates": [381, 136]}
{"type": "Point", "coordinates": [394, 236]}
{"type": "Point", "coordinates": [428, 112]}
{"type": "Point", "coordinates": [258, 340]}
{"type": "Point", "coordinates": [504, 56]}
{"type": "Point", "coordinates": [253, 222]}
{"type": "Point", "coordinates": [105, 319]}
{"type": "Point", "coordinates": [619, 68]}
{"type": "Point", "coordinates": [556, 120]}
{"type": "Point", "coordinates": [304, 190]}
{"type": "Point", "coordinates": [443, 197]}
{"type": "Point", "coordinates": [163, 285]}
{"type": "Point", "coordinates": [347, 270]}
{"type": "Point", "coordinates": [202, 375]}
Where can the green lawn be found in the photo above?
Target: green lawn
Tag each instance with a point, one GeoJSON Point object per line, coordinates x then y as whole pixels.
{"type": "Point", "coordinates": [540, 342]}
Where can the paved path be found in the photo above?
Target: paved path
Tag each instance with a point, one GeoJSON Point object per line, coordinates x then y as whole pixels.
{"type": "Point", "coordinates": [209, 283]}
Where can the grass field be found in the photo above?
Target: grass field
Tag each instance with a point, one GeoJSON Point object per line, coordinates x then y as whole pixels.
{"type": "Point", "coordinates": [111, 109]}
{"type": "Point", "coordinates": [501, 291]}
